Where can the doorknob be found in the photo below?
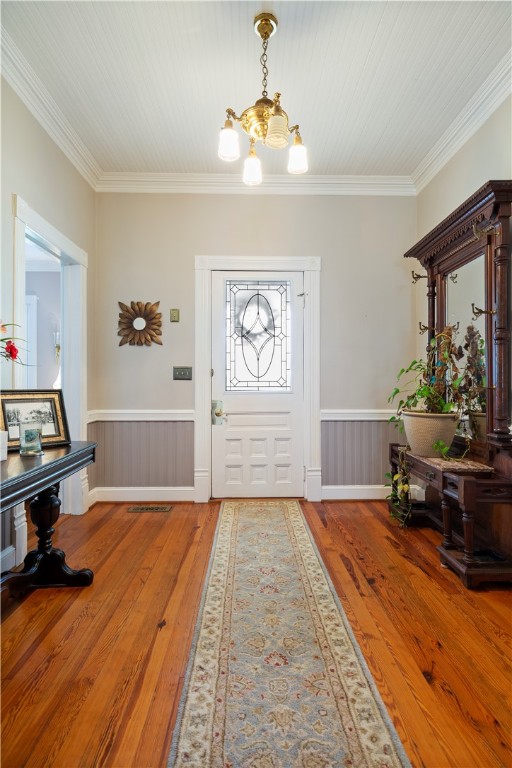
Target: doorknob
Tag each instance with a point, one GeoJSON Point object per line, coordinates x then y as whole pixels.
{"type": "Point", "coordinates": [218, 414]}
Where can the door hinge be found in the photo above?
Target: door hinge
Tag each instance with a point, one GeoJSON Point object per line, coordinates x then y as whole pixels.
{"type": "Point", "coordinates": [304, 474]}
{"type": "Point", "coordinates": [211, 372]}
{"type": "Point", "coordinates": [303, 299]}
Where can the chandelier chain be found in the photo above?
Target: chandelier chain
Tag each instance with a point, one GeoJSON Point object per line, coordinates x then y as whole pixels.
{"type": "Point", "coordinates": [263, 62]}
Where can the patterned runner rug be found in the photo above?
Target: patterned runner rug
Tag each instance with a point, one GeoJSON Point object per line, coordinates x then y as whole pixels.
{"type": "Point", "coordinates": [276, 678]}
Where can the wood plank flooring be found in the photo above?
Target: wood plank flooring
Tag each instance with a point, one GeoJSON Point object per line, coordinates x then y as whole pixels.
{"type": "Point", "coordinates": [92, 677]}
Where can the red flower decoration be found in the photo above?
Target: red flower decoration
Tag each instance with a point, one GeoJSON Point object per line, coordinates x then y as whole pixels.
{"type": "Point", "coordinates": [8, 349]}
{"type": "Point", "coordinates": [11, 350]}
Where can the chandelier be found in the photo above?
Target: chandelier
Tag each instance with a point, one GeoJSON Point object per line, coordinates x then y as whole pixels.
{"type": "Point", "coordinates": [265, 121]}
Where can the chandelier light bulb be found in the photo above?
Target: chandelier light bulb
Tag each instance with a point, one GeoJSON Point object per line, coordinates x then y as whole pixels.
{"type": "Point", "coordinates": [298, 156]}
{"type": "Point", "coordinates": [229, 148]}
{"type": "Point", "coordinates": [277, 126]}
{"type": "Point", "coordinates": [252, 169]}
{"type": "Point", "coordinates": [277, 132]}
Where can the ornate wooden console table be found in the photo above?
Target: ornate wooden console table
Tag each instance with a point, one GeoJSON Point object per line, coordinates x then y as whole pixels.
{"type": "Point", "coordinates": [464, 485]}
{"type": "Point", "coordinates": [36, 480]}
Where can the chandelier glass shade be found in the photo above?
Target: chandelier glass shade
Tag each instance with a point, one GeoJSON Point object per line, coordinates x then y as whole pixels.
{"type": "Point", "coordinates": [264, 121]}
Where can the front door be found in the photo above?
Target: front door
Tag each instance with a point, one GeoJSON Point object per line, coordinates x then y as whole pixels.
{"type": "Point", "coordinates": [257, 384]}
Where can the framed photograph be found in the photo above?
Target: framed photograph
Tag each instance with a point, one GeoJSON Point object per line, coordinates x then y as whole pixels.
{"type": "Point", "coordinates": [46, 406]}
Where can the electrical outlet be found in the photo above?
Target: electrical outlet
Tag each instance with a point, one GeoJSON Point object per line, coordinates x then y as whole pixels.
{"type": "Point", "coordinates": [181, 373]}
{"type": "Point", "coordinates": [175, 315]}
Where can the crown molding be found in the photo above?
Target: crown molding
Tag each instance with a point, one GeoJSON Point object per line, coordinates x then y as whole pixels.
{"type": "Point", "coordinates": [491, 94]}
{"type": "Point", "coordinates": [26, 84]}
{"type": "Point", "coordinates": [40, 103]}
{"type": "Point", "coordinates": [229, 184]}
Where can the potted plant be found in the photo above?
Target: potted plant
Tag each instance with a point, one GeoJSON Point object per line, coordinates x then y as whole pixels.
{"type": "Point", "coordinates": [431, 399]}
{"type": "Point", "coordinates": [399, 497]}
{"type": "Point", "coordinates": [474, 383]}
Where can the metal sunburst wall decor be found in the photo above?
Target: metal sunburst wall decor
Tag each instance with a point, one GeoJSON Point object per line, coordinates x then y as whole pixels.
{"type": "Point", "coordinates": [140, 324]}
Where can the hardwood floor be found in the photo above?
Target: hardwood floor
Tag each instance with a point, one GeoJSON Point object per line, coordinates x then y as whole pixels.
{"type": "Point", "coordinates": [92, 677]}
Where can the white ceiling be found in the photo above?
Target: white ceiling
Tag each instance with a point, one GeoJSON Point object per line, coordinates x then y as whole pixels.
{"type": "Point", "coordinates": [135, 91]}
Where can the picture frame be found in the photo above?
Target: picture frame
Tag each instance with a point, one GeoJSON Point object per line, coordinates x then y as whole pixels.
{"type": "Point", "coordinates": [45, 405]}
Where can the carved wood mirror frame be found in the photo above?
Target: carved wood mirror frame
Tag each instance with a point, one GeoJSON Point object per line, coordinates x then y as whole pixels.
{"type": "Point", "coordinates": [481, 225]}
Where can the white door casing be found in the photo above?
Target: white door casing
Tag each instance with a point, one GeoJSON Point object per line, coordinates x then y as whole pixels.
{"type": "Point", "coordinates": [73, 331]}
{"type": "Point", "coordinates": [310, 267]}
{"type": "Point", "coordinates": [257, 444]}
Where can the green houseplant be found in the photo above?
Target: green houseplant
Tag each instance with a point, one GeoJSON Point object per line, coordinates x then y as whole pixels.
{"type": "Point", "coordinates": [431, 400]}
{"type": "Point", "coordinates": [434, 392]}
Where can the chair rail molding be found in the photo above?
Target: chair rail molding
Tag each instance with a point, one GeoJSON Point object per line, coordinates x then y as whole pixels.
{"type": "Point", "coordinates": [140, 415]}
{"type": "Point", "coordinates": [338, 414]}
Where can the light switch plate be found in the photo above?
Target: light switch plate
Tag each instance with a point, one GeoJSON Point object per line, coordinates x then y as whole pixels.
{"type": "Point", "coordinates": [181, 373]}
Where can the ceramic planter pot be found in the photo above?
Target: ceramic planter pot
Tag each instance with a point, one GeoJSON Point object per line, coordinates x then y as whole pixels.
{"type": "Point", "coordinates": [424, 429]}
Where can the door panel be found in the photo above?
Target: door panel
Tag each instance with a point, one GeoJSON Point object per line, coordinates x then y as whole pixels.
{"type": "Point", "coordinates": [257, 354]}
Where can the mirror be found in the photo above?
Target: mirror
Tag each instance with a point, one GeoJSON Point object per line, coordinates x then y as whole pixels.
{"type": "Point", "coordinates": [467, 260]}
{"type": "Point", "coordinates": [465, 288]}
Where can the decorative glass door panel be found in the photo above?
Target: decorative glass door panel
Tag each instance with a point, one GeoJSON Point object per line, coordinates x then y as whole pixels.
{"type": "Point", "coordinates": [257, 392]}
{"type": "Point", "coordinates": [258, 336]}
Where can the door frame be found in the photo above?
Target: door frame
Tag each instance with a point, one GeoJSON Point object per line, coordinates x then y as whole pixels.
{"type": "Point", "coordinates": [74, 263]}
{"type": "Point", "coordinates": [204, 266]}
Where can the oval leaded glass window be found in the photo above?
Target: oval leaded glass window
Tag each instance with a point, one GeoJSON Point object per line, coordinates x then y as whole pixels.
{"type": "Point", "coordinates": [258, 340]}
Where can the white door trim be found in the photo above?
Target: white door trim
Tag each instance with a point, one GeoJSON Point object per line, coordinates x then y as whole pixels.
{"type": "Point", "coordinates": [310, 266]}
{"type": "Point", "coordinates": [73, 332]}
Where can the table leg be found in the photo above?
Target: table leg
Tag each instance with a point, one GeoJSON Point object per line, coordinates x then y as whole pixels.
{"type": "Point", "coordinates": [447, 524]}
{"type": "Point", "coordinates": [45, 566]}
{"type": "Point", "coordinates": [468, 524]}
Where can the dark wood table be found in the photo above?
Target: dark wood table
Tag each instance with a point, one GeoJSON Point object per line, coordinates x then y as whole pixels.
{"type": "Point", "coordinates": [463, 485]}
{"type": "Point", "coordinates": [36, 479]}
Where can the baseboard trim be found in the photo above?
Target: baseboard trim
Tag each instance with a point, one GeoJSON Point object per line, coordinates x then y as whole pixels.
{"type": "Point", "coordinates": [355, 492]}
{"type": "Point", "coordinates": [146, 494]}
{"type": "Point", "coordinates": [160, 494]}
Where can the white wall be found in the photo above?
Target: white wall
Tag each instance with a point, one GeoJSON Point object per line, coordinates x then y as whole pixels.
{"type": "Point", "coordinates": [143, 247]}
{"type": "Point", "coordinates": [34, 168]}
{"type": "Point", "coordinates": [46, 286]}
{"type": "Point", "coordinates": [146, 250]}
{"type": "Point", "coordinates": [486, 156]}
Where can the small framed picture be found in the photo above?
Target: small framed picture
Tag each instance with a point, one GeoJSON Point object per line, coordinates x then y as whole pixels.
{"type": "Point", "coordinates": [44, 406]}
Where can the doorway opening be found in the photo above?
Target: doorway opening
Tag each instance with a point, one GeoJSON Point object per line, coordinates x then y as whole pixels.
{"type": "Point", "coordinates": [65, 329]}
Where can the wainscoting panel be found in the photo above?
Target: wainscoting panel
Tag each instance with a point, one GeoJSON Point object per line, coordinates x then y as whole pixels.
{"type": "Point", "coordinates": [355, 453]}
{"type": "Point", "coordinates": [141, 459]}
{"type": "Point", "coordinates": [142, 454]}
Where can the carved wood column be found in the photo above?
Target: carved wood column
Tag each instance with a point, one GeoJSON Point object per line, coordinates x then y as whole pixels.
{"type": "Point", "coordinates": [502, 336]}
{"type": "Point", "coordinates": [431, 305]}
